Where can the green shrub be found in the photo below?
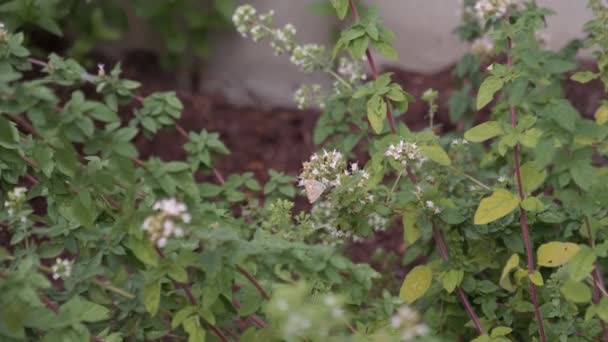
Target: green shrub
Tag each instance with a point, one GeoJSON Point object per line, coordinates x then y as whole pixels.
{"type": "Point", "coordinates": [507, 224]}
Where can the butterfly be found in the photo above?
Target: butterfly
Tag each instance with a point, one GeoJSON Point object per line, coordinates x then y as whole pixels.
{"type": "Point", "coordinates": [314, 189]}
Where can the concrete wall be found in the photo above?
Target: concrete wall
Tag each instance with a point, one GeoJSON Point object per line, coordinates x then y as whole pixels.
{"type": "Point", "coordinates": [248, 72]}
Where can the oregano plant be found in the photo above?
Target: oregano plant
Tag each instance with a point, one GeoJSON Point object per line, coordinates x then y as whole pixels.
{"type": "Point", "coordinates": [502, 227]}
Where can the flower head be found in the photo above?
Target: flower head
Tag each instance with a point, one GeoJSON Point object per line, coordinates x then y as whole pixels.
{"type": "Point", "coordinates": [405, 152]}
{"type": "Point", "coordinates": [164, 223]}
{"type": "Point", "coordinates": [62, 268]}
{"type": "Point", "coordinates": [15, 200]}
{"type": "Point", "coordinates": [407, 322]}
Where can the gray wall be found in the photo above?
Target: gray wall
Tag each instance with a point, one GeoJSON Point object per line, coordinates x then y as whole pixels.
{"type": "Point", "coordinates": [249, 73]}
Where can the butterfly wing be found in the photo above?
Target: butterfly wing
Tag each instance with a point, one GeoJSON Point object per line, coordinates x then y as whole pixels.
{"type": "Point", "coordinates": [314, 189]}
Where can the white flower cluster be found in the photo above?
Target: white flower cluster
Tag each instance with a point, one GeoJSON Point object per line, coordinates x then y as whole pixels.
{"type": "Point", "coordinates": [162, 224]}
{"type": "Point", "coordinates": [242, 18]}
{"type": "Point", "coordinates": [306, 95]}
{"type": "Point", "coordinates": [283, 39]}
{"type": "Point", "coordinates": [405, 153]}
{"type": "Point", "coordinates": [15, 200]}
{"type": "Point", "coordinates": [351, 70]}
{"type": "Point", "coordinates": [407, 322]}
{"type": "Point", "coordinates": [487, 9]}
{"type": "Point", "coordinates": [483, 46]}
{"type": "Point", "coordinates": [307, 57]}
{"type": "Point", "coordinates": [377, 222]}
{"type": "Point", "coordinates": [327, 168]}
{"type": "Point", "coordinates": [3, 33]}
{"type": "Point", "coordinates": [433, 207]}
{"type": "Point", "coordinates": [459, 143]}
{"type": "Point", "coordinates": [333, 304]}
{"type": "Point", "coordinates": [296, 324]}
{"type": "Point", "coordinates": [62, 268]}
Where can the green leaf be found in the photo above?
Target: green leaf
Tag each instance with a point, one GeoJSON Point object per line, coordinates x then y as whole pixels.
{"type": "Point", "coordinates": [152, 297]}
{"type": "Point", "coordinates": [562, 112]}
{"type": "Point", "coordinates": [500, 331]}
{"type": "Point", "coordinates": [555, 253]}
{"type": "Point", "coordinates": [584, 175]}
{"type": "Point", "coordinates": [505, 279]}
{"type": "Point", "coordinates": [499, 204]}
{"type": "Point", "coordinates": [9, 136]}
{"type": "Point", "coordinates": [584, 76]}
{"type": "Point", "coordinates": [451, 279]}
{"type": "Point", "coordinates": [387, 50]}
{"type": "Point", "coordinates": [341, 7]}
{"type": "Point", "coordinates": [195, 331]}
{"type": "Point", "coordinates": [436, 154]}
{"type": "Point", "coordinates": [48, 249]}
{"type": "Point", "coordinates": [358, 46]}
{"type": "Point", "coordinates": [416, 283]}
{"type": "Point", "coordinates": [532, 177]}
{"type": "Point", "coordinates": [532, 204]}
{"type": "Point", "coordinates": [376, 113]}
{"type": "Point", "coordinates": [602, 309]}
{"type": "Point", "coordinates": [181, 315]}
{"type": "Point", "coordinates": [92, 312]}
{"type": "Point", "coordinates": [581, 264]}
{"type": "Point", "coordinates": [144, 251]}
{"type": "Point", "coordinates": [484, 131]}
{"type": "Point", "coordinates": [576, 292]}
{"type": "Point", "coordinates": [488, 88]}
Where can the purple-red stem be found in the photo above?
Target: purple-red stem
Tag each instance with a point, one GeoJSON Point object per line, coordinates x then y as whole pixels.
{"type": "Point", "coordinates": [193, 301]}
{"type": "Point", "coordinates": [372, 66]}
{"type": "Point", "coordinates": [598, 281]}
{"type": "Point", "coordinates": [443, 249]}
{"type": "Point", "coordinates": [522, 213]}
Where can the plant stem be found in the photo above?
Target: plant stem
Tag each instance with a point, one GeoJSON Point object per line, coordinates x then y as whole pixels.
{"type": "Point", "coordinates": [192, 300]}
{"type": "Point", "coordinates": [443, 249]}
{"type": "Point", "coordinates": [471, 178]}
{"type": "Point", "coordinates": [445, 255]}
{"type": "Point", "coordinates": [372, 66]}
{"type": "Point", "coordinates": [444, 252]}
{"type": "Point", "coordinates": [522, 212]}
{"type": "Point", "coordinates": [598, 282]}
{"type": "Point", "coordinates": [253, 281]}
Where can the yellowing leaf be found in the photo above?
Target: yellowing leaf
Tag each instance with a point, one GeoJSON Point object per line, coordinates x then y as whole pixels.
{"type": "Point", "coordinates": [536, 278]}
{"type": "Point", "coordinates": [416, 283]}
{"type": "Point", "coordinates": [584, 76]}
{"type": "Point", "coordinates": [486, 92]}
{"type": "Point", "coordinates": [484, 131]}
{"type": "Point", "coordinates": [499, 204]}
{"type": "Point", "coordinates": [436, 154]}
{"type": "Point", "coordinates": [501, 331]}
{"type": "Point", "coordinates": [505, 280]}
{"type": "Point", "coordinates": [601, 115]}
{"type": "Point", "coordinates": [532, 177]}
{"type": "Point", "coordinates": [411, 232]}
{"type": "Point", "coordinates": [553, 254]}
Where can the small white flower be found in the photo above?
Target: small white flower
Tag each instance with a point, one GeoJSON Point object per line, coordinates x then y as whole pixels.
{"type": "Point", "coordinates": [502, 179]}
{"type": "Point", "coordinates": [101, 71]}
{"type": "Point", "coordinates": [62, 268]}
